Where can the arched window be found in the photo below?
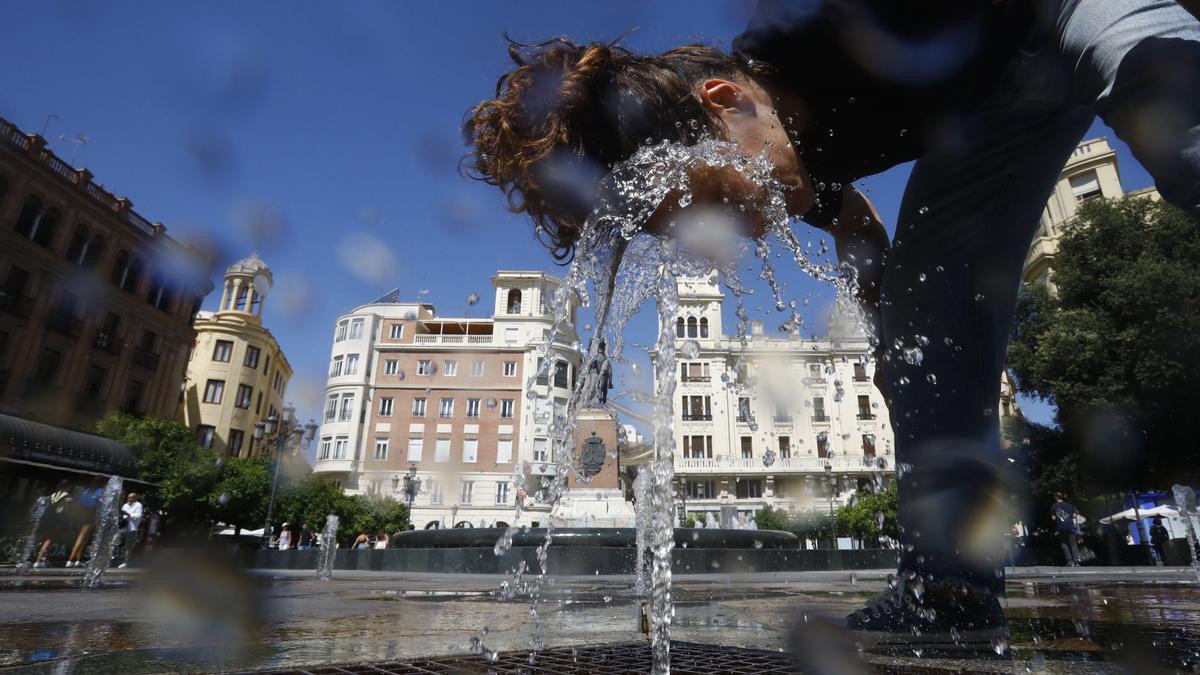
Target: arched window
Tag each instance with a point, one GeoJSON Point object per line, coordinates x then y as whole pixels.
{"type": "Point", "coordinates": [703, 327]}
{"type": "Point", "coordinates": [120, 269]}
{"type": "Point", "coordinates": [91, 259]}
{"type": "Point", "coordinates": [514, 301]}
{"type": "Point", "coordinates": [3, 187]}
{"type": "Point", "coordinates": [127, 273]}
{"type": "Point", "coordinates": [159, 295]}
{"type": "Point", "coordinates": [691, 325]}
{"type": "Point", "coordinates": [239, 304]}
{"type": "Point", "coordinates": [81, 241]}
{"type": "Point", "coordinates": [28, 218]}
{"type": "Point", "coordinates": [45, 226]}
{"type": "Point", "coordinates": [679, 327]}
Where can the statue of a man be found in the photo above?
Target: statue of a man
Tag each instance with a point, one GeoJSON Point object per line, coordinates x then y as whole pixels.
{"type": "Point", "coordinates": [601, 366]}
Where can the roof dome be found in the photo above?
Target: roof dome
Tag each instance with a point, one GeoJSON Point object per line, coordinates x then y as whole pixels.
{"type": "Point", "coordinates": [249, 267]}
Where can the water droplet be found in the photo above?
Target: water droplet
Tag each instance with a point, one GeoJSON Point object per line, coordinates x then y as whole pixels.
{"type": "Point", "coordinates": [931, 378]}
{"type": "Point", "coordinates": [921, 277]}
{"type": "Point", "coordinates": [914, 356]}
{"type": "Point", "coordinates": [491, 403]}
{"type": "Point", "coordinates": [979, 297]}
{"type": "Point", "coordinates": [690, 349]}
{"type": "Point", "coordinates": [473, 299]}
{"type": "Point", "coordinates": [685, 200]}
{"type": "Point", "coordinates": [923, 210]}
{"type": "Point", "coordinates": [223, 499]}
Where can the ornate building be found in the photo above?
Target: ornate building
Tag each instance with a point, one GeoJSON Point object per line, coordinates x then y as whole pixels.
{"type": "Point", "coordinates": [804, 433]}
{"type": "Point", "coordinates": [96, 302]}
{"type": "Point", "coordinates": [237, 374]}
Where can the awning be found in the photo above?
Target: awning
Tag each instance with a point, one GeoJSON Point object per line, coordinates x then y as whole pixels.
{"type": "Point", "coordinates": [1160, 511]}
{"type": "Point", "coordinates": [27, 442]}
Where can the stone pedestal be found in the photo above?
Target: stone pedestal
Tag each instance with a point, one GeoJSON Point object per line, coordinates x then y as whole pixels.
{"type": "Point", "coordinates": [598, 502]}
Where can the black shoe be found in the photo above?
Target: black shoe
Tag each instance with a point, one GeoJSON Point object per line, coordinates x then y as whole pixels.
{"type": "Point", "coordinates": [943, 616]}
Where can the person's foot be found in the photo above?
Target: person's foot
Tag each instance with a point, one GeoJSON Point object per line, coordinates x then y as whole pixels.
{"type": "Point", "coordinates": [915, 615]}
{"type": "Point", "coordinates": [122, 566]}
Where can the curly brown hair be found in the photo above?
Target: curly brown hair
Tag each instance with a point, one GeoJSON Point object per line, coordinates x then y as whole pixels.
{"type": "Point", "coordinates": [568, 112]}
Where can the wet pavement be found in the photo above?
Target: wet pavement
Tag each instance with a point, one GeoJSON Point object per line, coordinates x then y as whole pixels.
{"type": "Point", "coordinates": [1062, 621]}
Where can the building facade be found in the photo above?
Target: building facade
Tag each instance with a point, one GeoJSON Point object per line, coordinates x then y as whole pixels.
{"type": "Point", "coordinates": [448, 397]}
{"type": "Point", "coordinates": [806, 430]}
{"type": "Point", "coordinates": [96, 302]}
{"type": "Point", "coordinates": [237, 374]}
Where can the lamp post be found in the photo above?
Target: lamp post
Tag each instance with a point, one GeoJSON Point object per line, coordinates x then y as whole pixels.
{"type": "Point", "coordinates": [412, 487]}
{"type": "Point", "coordinates": [279, 435]}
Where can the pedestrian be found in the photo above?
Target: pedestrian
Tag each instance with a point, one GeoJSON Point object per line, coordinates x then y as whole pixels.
{"type": "Point", "coordinates": [1063, 515]}
{"type": "Point", "coordinates": [1159, 536]}
{"type": "Point", "coordinates": [381, 541]}
{"type": "Point", "coordinates": [58, 517]}
{"type": "Point", "coordinates": [131, 524]}
{"type": "Point", "coordinates": [305, 541]}
{"type": "Point", "coordinates": [85, 518]}
{"type": "Point", "coordinates": [361, 542]}
{"type": "Point", "coordinates": [990, 97]}
{"type": "Point", "coordinates": [285, 537]}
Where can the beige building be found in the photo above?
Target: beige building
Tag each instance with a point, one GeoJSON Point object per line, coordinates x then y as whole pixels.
{"type": "Point", "coordinates": [96, 302]}
{"type": "Point", "coordinates": [451, 398]}
{"type": "Point", "coordinates": [804, 432]}
{"type": "Point", "coordinates": [237, 374]}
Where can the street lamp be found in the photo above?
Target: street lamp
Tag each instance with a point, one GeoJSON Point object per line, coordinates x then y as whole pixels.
{"type": "Point", "coordinates": [412, 487]}
{"type": "Point", "coordinates": [281, 434]}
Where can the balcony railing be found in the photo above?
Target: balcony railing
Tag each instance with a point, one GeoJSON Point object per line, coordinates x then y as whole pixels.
{"type": "Point", "coordinates": [783, 419]}
{"type": "Point", "coordinates": [697, 418]}
{"type": "Point", "coordinates": [110, 343]}
{"type": "Point", "coordinates": [820, 418]}
{"type": "Point", "coordinates": [697, 378]}
{"type": "Point", "coordinates": [453, 339]}
{"type": "Point", "coordinates": [861, 378]}
{"type": "Point", "coordinates": [816, 465]}
{"type": "Point", "coordinates": [145, 358]}
{"type": "Point", "coordinates": [866, 416]}
{"type": "Point", "coordinates": [64, 323]}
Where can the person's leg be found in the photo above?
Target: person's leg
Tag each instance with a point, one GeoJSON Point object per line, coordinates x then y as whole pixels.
{"type": "Point", "coordinates": [81, 542]}
{"type": "Point", "coordinates": [1066, 550]}
{"type": "Point", "coordinates": [1073, 543]}
{"type": "Point", "coordinates": [1139, 61]}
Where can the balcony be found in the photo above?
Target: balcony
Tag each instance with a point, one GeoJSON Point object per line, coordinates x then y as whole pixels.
{"type": "Point", "coordinates": [822, 417]}
{"type": "Point", "coordinates": [64, 323]}
{"type": "Point", "coordinates": [15, 304]}
{"type": "Point", "coordinates": [866, 416]}
{"type": "Point", "coordinates": [144, 358]}
{"type": "Point", "coordinates": [423, 339]}
{"type": "Point", "coordinates": [783, 419]}
{"type": "Point", "coordinates": [110, 343]}
{"type": "Point", "coordinates": [333, 466]}
{"type": "Point", "coordinates": [697, 418]}
{"type": "Point", "coordinates": [812, 465]}
{"type": "Point", "coordinates": [697, 378]}
{"type": "Point", "coordinates": [861, 378]}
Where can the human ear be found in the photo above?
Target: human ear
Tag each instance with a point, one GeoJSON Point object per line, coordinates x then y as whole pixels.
{"type": "Point", "coordinates": [724, 98]}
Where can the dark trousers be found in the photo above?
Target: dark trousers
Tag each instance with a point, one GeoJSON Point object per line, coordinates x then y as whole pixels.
{"type": "Point", "coordinates": [1070, 546]}
{"type": "Point", "coordinates": [969, 213]}
{"type": "Point", "coordinates": [129, 540]}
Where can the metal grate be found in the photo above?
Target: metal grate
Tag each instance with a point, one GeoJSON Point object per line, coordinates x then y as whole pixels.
{"type": "Point", "coordinates": [687, 658]}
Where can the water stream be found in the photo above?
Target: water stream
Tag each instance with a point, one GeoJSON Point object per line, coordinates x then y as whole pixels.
{"type": "Point", "coordinates": [618, 267]}
{"type": "Point", "coordinates": [328, 552]}
{"type": "Point", "coordinates": [1185, 499]}
{"type": "Point", "coordinates": [25, 552]}
{"type": "Point", "coordinates": [108, 520]}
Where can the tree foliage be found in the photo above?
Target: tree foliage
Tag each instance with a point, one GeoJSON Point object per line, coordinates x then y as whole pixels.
{"type": "Point", "coordinates": [870, 516]}
{"type": "Point", "coordinates": [1117, 348]}
{"type": "Point", "coordinates": [241, 493]}
{"type": "Point", "coordinates": [310, 499]}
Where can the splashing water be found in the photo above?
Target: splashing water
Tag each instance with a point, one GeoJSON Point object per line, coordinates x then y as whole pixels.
{"type": "Point", "coordinates": [626, 266]}
{"type": "Point", "coordinates": [1185, 499]}
{"type": "Point", "coordinates": [108, 519]}
{"type": "Point", "coordinates": [25, 553]}
{"type": "Point", "coordinates": [328, 552]}
{"type": "Point", "coordinates": [641, 505]}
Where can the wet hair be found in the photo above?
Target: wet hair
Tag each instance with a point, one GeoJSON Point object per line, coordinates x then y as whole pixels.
{"type": "Point", "coordinates": [1059, 495]}
{"type": "Point", "coordinates": [568, 112]}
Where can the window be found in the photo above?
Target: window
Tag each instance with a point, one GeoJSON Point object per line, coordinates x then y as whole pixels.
{"type": "Point", "coordinates": [514, 301]}
{"type": "Point", "coordinates": [868, 445]}
{"type": "Point", "coordinates": [340, 444]}
{"type": "Point", "coordinates": [477, 368]}
{"type": "Point", "coordinates": [1085, 186]}
{"type": "Point", "coordinates": [697, 447]}
{"type": "Point", "coordinates": [510, 368]}
{"type": "Point", "coordinates": [390, 367]}
{"type": "Point", "coordinates": [336, 369]}
{"type": "Point", "coordinates": [540, 452]}
{"type": "Point", "coordinates": [782, 414]}
{"type": "Point", "coordinates": [703, 327]}
{"type": "Point", "coordinates": [95, 375]}
{"type": "Point", "coordinates": [701, 489]}
{"type": "Point", "coordinates": [331, 408]}
{"type": "Point", "coordinates": [511, 335]}
{"type": "Point", "coordinates": [133, 396]}
{"type": "Point", "coordinates": [506, 408]}
{"type": "Point", "coordinates": [396, 331]}
{"type": "Point", "coordinates": [418, 407]}
{"type": "Point", "coordinates": [446, 408]}
{"type": "Point", "coordinates": [749, 489]}
{"type": "Point", "coordinates": [234, 447]}
{"type": "Point", "coordinates": [747, 447]}
{"type": "Point", "coordinates": [326, 446]}
{"type": "Point", "coordinates": [468, 486]}
{"type": "Point", "coordinates": [223, 351]}
{"type": "Point", "coordinates": [381, 448]}
{"type": "Point", "coordinates": [356, 329]}
{"type": "Point", "coordinates": [204, 434]}
{"type": "Point", "coordinates": [864, 408]}
{"type": "Point", "coordinates": [819, 409]}
{"type": "Point", "coordinates": [785, 447]}
{"type": "Point", "coordinates": [127, 272]}
{"type": "Point", "coordinates": [472, 407]}
{"type": "Point", "coordinates": [245, 394]}
{"type": "Point", "coordinates": [450, 368]}
{"type": "Point", "coordinates": [679, 327]}
{"type": "Point", "coordinates": [561, 374]}
{"type": "Point", "coordinates": [385, 406]}
{"type": "Point", "coordinates": [414, 449]}
{"type": "Point", "coordinates": [252, 354]}
{"type": "Point", "coordinates": [434, 487]}
{"type": "Point", "coordinates": [502, 493]}
{"type": "Point", "coordinates": [860, 372]}
{"type": "Point", "coordinates": [743, 411]}
{"type": "Point", "coordinates": [814, 371]}
{"type": "Point", "coordinates": [341, 331]}
{"type": "Point", "coordinates": [470, 451]}
{"type": "Point", "coordinates": [213, 391]}
{"type": "Point", "coordinates": [424, 367]}
{"type": "Point", "coordinates": [442, 450]}
{"type": "Point", "coordinates": [822, 445]}
{"type": "Point", "coordinates": [692, 327]}
{"type": "Point", "coordinates": [504, 451]}
{"type": "Point", "coordinates": [352, 364]}
{"type": "Point", "coordinates": [347, 408]}
{"type": "Point", "coordinates": [258, 404]}
{"type": "Point", "coordinates": [697, 408]}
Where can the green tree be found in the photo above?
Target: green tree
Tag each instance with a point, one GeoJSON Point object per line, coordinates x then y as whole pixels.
{"type": "Point", "coordinates": [870, 516]}
{"type": "Point", "coordinates": [240, 495]}
{"type": "Point", "coordinates": [771, 518]}
{"type": "Point", "coordinates": [1117, 349]}
{"type": "Point", "coordinates": [168, 456]}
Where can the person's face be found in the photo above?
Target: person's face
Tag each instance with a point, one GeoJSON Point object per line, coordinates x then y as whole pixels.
{"type": "Point", "coordinates": [752, 120]}
{"type": "Point", "coordinates": [130, 498]}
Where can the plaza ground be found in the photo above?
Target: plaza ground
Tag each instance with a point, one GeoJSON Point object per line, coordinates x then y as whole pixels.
{"type": "Point", "coordinates": [1084, 620]}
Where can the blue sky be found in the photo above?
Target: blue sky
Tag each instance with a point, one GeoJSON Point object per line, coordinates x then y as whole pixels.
{"type": "Point", "coordinates": [299, 129]}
